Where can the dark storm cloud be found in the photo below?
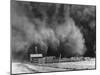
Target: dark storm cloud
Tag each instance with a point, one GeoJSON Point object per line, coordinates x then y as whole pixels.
{"type": "Point", "coordinates": [27, 28]}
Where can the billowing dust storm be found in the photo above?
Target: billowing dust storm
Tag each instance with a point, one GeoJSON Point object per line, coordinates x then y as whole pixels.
{"type": "Point", "coordinates": [53, 33]}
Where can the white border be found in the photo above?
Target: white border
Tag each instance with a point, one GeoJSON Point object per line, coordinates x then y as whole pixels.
{"type": "Point", "coordinates": [5, 36]}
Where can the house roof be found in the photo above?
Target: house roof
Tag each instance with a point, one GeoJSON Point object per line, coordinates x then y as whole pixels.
{"type": "Point", "coordinates": [36, 55]}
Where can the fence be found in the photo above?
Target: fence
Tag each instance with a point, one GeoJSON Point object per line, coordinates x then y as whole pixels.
{"type": "Point", "coordinates": [54, 60]}
{"type": "Point", "coordinates": [45, 60]}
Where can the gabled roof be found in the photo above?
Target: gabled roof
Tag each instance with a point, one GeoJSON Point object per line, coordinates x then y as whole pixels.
{"type": "Point", "coordinates": [36, 55]}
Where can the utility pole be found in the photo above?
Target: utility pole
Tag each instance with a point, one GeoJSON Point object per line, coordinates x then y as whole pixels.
{"type": "Point", "coordinates": [36, 50]}
{"type": "Point", "coordinates": [59, 57]}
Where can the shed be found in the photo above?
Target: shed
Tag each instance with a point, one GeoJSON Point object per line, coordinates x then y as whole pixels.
{"type": "Point", "coordinates": [34, 58]}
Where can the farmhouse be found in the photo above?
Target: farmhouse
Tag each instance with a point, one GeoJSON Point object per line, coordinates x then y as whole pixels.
{"type": "Point", "coordinates": [36, 58]}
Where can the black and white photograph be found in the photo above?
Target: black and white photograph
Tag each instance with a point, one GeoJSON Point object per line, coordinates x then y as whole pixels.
{"type": "Point", "coordinates": [52, 37]}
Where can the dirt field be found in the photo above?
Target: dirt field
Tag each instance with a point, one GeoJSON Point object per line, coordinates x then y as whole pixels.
{"type": "Point", "coordinates": [18, 67]}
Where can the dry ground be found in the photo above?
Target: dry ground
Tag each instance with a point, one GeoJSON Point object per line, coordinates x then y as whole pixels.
{"type": "Point", "coordinates": [18, 67]}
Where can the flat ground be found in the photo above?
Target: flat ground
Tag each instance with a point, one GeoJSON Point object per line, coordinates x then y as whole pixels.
{"type": "Point", "coordinates": [18, 67]}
